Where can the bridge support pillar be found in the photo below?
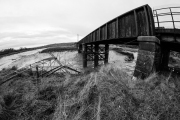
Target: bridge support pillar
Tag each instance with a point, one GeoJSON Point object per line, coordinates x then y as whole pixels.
{"type": "Point", "coordinates": [165, 58]}
{"type": "Point", "coordinates": [149, 56]}
{"type": "Point", "coordinates": [106, 53]}
{"type": "Point", "coordinates": [95, 53]}
{"type": "Point", "coordinates": [79, 48]}
{"type": "Point", "coordinates": [84, 50]}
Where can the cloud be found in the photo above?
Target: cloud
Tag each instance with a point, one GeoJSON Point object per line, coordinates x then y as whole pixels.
{"type": "Point", "coordinates": [35, 41]}
{"type": "Point", "coordinates": [40, 36]}
{"type": "Point", "coordinates": [37, 22]}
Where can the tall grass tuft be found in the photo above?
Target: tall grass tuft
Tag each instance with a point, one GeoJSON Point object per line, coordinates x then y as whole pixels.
{"type": "Point", "coordinates": [105, 94]}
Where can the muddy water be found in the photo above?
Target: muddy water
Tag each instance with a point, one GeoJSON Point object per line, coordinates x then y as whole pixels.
{"type": "Point", "coordinates": [114, 58]}
{"type": "Point", "coordinates": [71, 59]}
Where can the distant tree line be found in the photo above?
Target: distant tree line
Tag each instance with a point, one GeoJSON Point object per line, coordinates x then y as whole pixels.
{"type": "Point", "coordinates": [10, 51]}
{"type": "Point", "coordinates": [51, 48]}
{"type": "Point", "coordinates": [59, 49]}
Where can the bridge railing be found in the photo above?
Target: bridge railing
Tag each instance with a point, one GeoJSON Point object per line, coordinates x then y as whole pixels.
{"type": "Point", "coordinates": [166, 13]}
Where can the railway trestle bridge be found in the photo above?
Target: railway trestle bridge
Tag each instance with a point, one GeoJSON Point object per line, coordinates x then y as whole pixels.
{"type": "Point", "coordinates": [140, 26]}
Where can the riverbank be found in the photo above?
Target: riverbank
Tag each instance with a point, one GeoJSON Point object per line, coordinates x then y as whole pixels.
{"type": "Point", "coordinates": [12, 51]}
{"type": "Point", "coordinates": [107, 93]}
{"type": "Point", "coordinates": [59, 49]}
{"type": "Point", "coordinates": [8, 52]}
{"type": "Point", "coordinates": [130, 56]}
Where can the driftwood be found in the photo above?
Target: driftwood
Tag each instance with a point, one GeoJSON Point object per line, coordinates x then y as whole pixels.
{"type": "Point", "coordinates": [38, 75]}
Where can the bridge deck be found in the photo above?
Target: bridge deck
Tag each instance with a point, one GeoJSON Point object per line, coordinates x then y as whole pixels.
{"type": "Point", "coordinates": [155, 44]}
{"type": "Point", "coordinates": [126, 27]}
{"type": "Point", "coordinates": [130, 25]}
{"type": "Point", "coordinates": [169, 35]}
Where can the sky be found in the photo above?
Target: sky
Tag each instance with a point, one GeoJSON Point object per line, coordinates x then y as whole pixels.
{"type": "Point", "coordinates": [30, 23]}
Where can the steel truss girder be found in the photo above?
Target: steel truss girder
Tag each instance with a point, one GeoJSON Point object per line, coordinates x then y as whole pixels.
{"type": "Point", "coordinates": [96, 53]}
{"type": "Point", "coordinates": [91, 53]}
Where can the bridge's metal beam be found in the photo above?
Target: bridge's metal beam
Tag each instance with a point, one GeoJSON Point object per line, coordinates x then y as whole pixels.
{"type": "Point", "coordinates": [137, 22]}
{"type": "Point", "coordinates": [118, 41]}
{"type": "Point", "coordinates": [79, 48]}
{"type": "Point", "coordinates": [165, 52]}
{"type": "Point", "coordinates": [106, 53]}
{"type": "Point", "coordinates": [95, 53]}
{"type": "Point", "coordinates": [169, 35]}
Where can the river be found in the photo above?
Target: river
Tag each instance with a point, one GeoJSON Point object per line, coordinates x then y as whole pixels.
{"type": "Point", "coordinates": [69, 58]}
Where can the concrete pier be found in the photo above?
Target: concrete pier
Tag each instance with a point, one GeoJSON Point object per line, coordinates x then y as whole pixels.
{"type": "Point", "coordinates": [149, 56]}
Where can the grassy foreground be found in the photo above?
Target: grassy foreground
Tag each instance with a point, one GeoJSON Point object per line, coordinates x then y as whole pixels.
{"type": "Point", "coordinates": [105, 94]}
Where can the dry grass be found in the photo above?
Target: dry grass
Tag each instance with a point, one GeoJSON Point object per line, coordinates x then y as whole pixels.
{"type": "Point", "coordinates": [107, 94]}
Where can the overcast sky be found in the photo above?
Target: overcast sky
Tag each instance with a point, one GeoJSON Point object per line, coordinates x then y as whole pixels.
{"type": "Point", "coordinates": [29, 23]}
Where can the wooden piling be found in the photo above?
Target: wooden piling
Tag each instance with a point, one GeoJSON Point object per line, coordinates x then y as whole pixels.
{"type": "Point", "coordinates": [96, 55]}
{"type": "Point", "coordinates": [106, 53]}
{"type": "Point", "coordinates": [84, 55]}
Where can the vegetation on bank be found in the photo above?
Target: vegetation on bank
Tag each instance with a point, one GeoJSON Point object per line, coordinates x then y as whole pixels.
{"type": "Point", "coordinates": [58, 49]}
{"type": "Point", "coordinates": [105, 94]}
{"type": "Point", "coordinates": [11, 51]}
